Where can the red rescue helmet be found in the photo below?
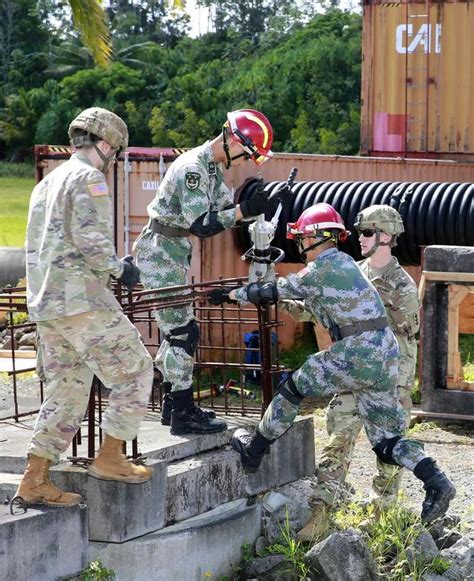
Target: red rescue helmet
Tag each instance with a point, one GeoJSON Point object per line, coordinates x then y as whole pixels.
{"type": "Point", "coordinates": [253, 131]}
{"type": "Point", "coordinates": [319, 221]}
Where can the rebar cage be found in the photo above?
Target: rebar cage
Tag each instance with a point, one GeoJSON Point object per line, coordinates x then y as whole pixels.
{"type": "Point", "coordinates": [237, 364]}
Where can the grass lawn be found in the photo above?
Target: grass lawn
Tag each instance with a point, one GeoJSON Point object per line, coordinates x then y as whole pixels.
{"type": "Point", "coordinates": [14, 199]}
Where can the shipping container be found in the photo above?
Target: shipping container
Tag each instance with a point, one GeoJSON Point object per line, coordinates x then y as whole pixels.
{"type": "Point", "coordinates": [418, 79]}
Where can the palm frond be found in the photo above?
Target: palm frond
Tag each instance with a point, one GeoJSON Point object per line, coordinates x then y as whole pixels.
{"type": "Point", "coordinates": [91, 21]}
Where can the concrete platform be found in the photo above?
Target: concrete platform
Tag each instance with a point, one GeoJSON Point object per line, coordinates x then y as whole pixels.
{"type": "Point", "coordinates": [208, 546]}
{"type": "Point", "coordinates": [143, 531]}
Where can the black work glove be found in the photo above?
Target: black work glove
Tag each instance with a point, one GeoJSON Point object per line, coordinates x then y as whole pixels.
{"type": "Point", "coordinates": [219, 296]}
{"type": "Point", "coordinates": [259, 203]}
{"type": "Point", "coordinates": [131, 274]}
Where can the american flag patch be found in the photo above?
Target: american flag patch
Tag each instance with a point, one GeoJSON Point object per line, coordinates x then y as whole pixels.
{"type": "Point", "coordinates": [98, 189]}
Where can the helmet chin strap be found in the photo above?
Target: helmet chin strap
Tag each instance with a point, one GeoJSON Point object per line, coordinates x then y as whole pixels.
{"type": "Point", "coordinates": [225, 145]}
{"type": "Point", "coordinates": [303, 251]}
{"type": "Point", "coordinates": [107, 159]}
{"type": "Point", "coordinates": [378, 243]}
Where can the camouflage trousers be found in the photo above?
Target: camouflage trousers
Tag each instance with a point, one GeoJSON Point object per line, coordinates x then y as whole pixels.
{"type": "Point", "coordinates": [344, 424]}
{"type": "Point", "coordinates": [366, 365]}
{"type": "Point", "coordinates": [165, 262]}
{"type": "Point", "coordinates": [74, 349]}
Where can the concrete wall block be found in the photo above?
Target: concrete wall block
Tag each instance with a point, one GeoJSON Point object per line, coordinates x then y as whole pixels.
{"type": "Point", "coordinates": [118, 512]}
{"type": "Point", "coordinates": [291, 457]}
{"type": "Point", "coordinates": [449, 258]}
{"type": "Point", "coordinates": [43, 544]}
{"type": "Point", "coordinates": [199, 484]}
{"type": "Point", "coordinates": [207, 546]}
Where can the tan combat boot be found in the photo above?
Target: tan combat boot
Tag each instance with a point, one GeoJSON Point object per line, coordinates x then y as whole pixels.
{"type": "Point", "coordinates": [36, 488]}
{"type": "Point", "coordinates": [317, 525]}
{"type": "Point", "coordinates": [111, 464]}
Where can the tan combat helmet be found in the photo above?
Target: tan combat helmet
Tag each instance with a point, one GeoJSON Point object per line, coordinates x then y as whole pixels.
{"type": "Point", "coordinates": [380, 217]}
{"type": "Point", "coordinates": [102, 123]}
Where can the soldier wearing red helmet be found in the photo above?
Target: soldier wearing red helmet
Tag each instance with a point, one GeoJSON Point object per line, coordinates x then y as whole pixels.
{"type": "Point", "coordinates": [363, 358]}
{"type": "Point", "coordinates": [193, 199]}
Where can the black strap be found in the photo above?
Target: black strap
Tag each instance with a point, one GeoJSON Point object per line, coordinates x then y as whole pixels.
{"type": "Point", "coordinates": [363, 326]}
{"type": "Point", "coordinates": [171, 231]}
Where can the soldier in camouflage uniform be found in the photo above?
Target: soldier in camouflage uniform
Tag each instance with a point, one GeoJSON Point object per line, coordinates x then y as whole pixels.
{"type": "Point", "coordinates": [193, 199]}
{"type": "Point", "coordinates": [362, 359]}
{"type": "Point", "coordinates": [70, 256]}
{"type": "Point", "coordinates": [378, 228]}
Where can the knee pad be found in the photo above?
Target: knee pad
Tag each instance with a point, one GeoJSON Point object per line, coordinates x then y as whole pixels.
{"type": "Point", "coordinates": [385, 448]}
{"type": "Point", "coordinates": [190, 342]}
{"type": "Point", "coordinates": [289, 391]}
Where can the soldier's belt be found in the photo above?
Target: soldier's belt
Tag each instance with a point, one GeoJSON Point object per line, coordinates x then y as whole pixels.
{"type": "Point", "coordinates": [171, 231]}
{"type": "Point", "coordinates": [362, 327]}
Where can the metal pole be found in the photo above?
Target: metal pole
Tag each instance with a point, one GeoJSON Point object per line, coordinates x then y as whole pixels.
{"type": "Point", "coordinates": [265, 335]}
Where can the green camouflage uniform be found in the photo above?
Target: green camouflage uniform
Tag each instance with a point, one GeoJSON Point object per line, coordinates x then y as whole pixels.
{"type": "Point", "coordinates": [337, 293]}
{"type": "Point", "coordinates": [69, 258]}
{"type": "Point", "coordinates": [193, 186]}
{"type": "Point", "coordinates": [400, 297]}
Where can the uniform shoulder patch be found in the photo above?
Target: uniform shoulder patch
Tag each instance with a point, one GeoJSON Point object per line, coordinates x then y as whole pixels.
{"type": "Point", "coordinates": [192, 180]}
{"type": "Point", "coordinates": [98, 189]}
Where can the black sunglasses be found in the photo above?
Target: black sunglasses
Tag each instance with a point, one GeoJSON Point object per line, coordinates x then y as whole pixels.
{"type": "Point", "coordinates": [367, 233]}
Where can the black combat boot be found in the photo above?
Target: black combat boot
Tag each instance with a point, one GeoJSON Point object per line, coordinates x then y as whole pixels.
{"type": "Point", "coordinates": [167, 405]}
{"type": "Point", "coordinates": [187, 418]}
{"type": "Point", "coordinates": [251, 447]}
{"type": "Point", "coordinates": [439, 490]}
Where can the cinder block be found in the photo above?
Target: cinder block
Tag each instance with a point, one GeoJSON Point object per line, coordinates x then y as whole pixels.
{"type": "Point", "coordinates": [43, 544]}
{"type": "Point", "coordinates": [118, 512]}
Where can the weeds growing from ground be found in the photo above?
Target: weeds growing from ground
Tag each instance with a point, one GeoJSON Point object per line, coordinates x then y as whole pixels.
{"type": "Point", "coordinates": [293, 551]}
{"type": "Point", "coordinates": [97, 572]}
{"type": "Point", "coordinates": [389, 534]}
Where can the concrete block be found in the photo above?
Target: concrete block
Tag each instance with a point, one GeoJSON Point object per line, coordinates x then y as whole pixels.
{"type": "Point", "coordinates": [118, 512]}
{"type": "Point", "coordinates": [199, 484]}
{"type": "Point", "coordinates": [291, 457]}
{"type": "Point", "coordinates": [207, 546]}
{"type": "Point", "coordinates": [449, 258]}
{"type": "Point", "coordinates": [43, 544]}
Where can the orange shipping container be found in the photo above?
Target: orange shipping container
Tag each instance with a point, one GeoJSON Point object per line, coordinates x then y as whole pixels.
{"type": "Point", "coordinates": [418, 79]}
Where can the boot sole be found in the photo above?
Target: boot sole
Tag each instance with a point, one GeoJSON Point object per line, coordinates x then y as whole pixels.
{"type": "Point", "coordinates": [125, 479]}
{"type": "Point", "coordinates": [49, 503]}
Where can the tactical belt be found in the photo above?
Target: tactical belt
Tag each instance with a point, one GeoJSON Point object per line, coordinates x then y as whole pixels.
{"type": "Point", "coordinates": [171, 231]}
{"type": "Point", "coordinates": [362, 327]}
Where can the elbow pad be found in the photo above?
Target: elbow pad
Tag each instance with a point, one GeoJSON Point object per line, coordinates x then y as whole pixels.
{"type": "Point", "coordinates": [262, 294]}
{"type": "Point", "coordinates": [211, 228]}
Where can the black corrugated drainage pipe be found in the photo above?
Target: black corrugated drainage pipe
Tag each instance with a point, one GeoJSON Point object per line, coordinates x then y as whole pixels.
{"type": "Point", "coordinates": [433, 213]}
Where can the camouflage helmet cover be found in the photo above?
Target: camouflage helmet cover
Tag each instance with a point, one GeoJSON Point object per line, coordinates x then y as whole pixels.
{"type": "Point", "coordinates": [103, 123]}
{"type": "Point", "coordinates": [382, 217]}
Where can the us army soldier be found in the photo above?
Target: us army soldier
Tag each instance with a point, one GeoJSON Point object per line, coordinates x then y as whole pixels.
{"type": "Point", "coordinates": [69, 258]}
